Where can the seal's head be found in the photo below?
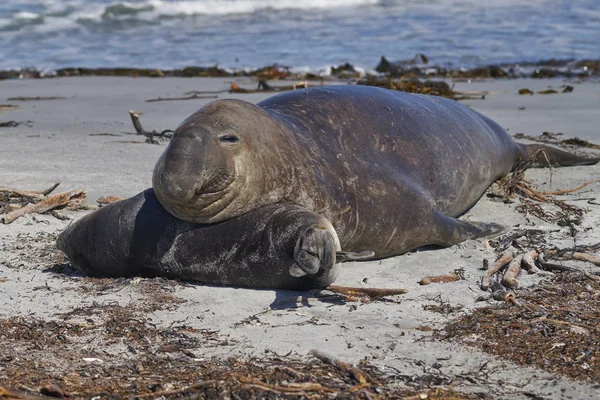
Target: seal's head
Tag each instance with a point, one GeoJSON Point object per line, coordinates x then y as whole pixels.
{"type": "Point", "coordinates": [212, 170]}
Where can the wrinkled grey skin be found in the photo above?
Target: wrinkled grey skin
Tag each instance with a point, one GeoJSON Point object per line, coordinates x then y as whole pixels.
{"type": "Point", "coordinates": [390, 170]}
{"type": "Point", "coordinates": [259, 249]}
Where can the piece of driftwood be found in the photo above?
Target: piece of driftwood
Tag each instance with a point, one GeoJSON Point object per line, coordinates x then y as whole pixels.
{"type": "Point", "coordinates": [501, 293]}
{"type": "Point", "coordinates": [512, 272]}
{"type": "Point", "coordinates": [579, 256]}
{"type": "Point", "coordinates": [528, 262]}
{"type": "Point", "coordinates": [190, 97]}
{"type": "Point", "coordinates": [504, 259]}
{"type": "Point", "coordinates": [104, 200]}
{"type": "Point", "coordinates": [356, 373]}
{"type": "Point", "coordinates": [263, 87]}
{"type": "Point", "coordinates": [137, 125]}
{"type": "Point", "coordinates": [446, 278]}
{"type": "Point", "coordinates": [27, 98]}
{"type": "Point", "coordinates": [546, 266]}
{"type": "Point", "coordinates": [371, 293]}
{"type": "Point", "coordinates": [176, 391]}
{"type": "Point", "coordinates": [44, 205]}
{"type": "Point", "coordinates": [28, 194]}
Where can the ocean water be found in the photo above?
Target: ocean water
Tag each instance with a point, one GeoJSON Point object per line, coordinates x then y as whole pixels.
{"type": "Point", "coordinates": [310, 34]}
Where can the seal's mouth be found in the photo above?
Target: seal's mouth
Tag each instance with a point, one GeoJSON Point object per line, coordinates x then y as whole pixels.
{"type": "Point", "coordinates": [204, 202]}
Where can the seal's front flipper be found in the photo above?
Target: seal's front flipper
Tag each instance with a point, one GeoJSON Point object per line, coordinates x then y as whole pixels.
{"type": "Point", "coordinates": [315, 251]}
{"type": "Point", "coordinates": [449, 231]}
{"type": "Point", "coordinates": [342, 256]}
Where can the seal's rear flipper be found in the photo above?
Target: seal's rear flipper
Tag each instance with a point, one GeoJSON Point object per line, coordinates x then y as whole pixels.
{"type": "Point", "coordinates": [342, 256]}
{"type": "Point", "coordinates": [544, 156]}
{"type": "Point", "coordinates": [450, 231]}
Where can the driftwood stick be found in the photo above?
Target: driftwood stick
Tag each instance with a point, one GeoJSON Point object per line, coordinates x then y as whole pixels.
{"type": "Point", "coordinates": [32, 194]}
{"type": "Point", "coordinates": [558, 192]}
{"type": "Point", "coordinates": [356, 373]}
{"type": "Point", "coordinates": [504, 259]}
{"type": "Point", "coordinates": [176, 391]}
{"type": "Point", "coordinates": [512, 272]}
{"type": "Point", "coordinates": [546, 266]}
{"type": "Point", "coordinates": [137, 125]}
{"type": "Point", "coordinates": [290, 388]}
{"type": "Point", "coordinates": [372, 293]}
{"type": "Point", "coordinates": [104, 200]}
{"type": "Point", "coordinates": [135, 118]}
{"type": "Point", "coordinates": [191, 97]}
{"type": "Point", "coordinates": [446, 278]}
{"type": "Point", "coordinates": [528, 262]}
{"type": "Point", "coordinates": [579, 256]}
{"type": "Point", "coordinates": [500, 293]}
{"type": "Point", "coordinates": [46, 204]}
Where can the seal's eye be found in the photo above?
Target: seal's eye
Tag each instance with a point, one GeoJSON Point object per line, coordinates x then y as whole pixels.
{"type": "Point", "coordinates": [229, 138]}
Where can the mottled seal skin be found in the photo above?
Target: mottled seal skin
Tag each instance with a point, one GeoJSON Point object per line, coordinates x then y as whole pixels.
{"type": "Point", "coordinates": [390, 170]}
{"type": "Point", "coordinates": [260, 249]}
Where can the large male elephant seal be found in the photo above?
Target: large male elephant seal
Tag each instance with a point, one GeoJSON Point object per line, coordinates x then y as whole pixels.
{"type": "Point", "coordinates": [390, 170]}
{"type": "Point", "coordinates": [260, 249]}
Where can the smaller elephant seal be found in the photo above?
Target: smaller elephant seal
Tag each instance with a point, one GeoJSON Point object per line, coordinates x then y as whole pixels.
{"type": "Point", "coordinates": [279, 246]}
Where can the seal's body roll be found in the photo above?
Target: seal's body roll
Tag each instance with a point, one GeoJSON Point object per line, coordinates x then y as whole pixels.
{"type": "Point", "coordinates": [138, 237]}
{"type": "Point", "coordinates": [390, 170]}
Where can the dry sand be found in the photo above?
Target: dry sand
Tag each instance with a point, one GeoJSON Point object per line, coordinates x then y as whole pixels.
{"type": "Point", "coordinates": [63, 144]}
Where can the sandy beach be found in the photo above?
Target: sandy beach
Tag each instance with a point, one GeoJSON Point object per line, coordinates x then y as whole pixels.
{"type": "Point", "coordinates": [85, 140]}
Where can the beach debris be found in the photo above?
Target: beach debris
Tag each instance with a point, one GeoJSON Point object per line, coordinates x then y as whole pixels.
{"type": "Point", "coordinates": [567, 89]}
{"type": "Point", "coordinates": [340, 295]}
{"type": "Point", "coordinates": [8, 107]}
{"type": "Point", "coordinates": [528, 262]}
{"type": "Point", "coordinates": [506, 257]}
{"type": "Point", "coordinates": [181, 370]}
{"type": "Point", "coordinates": [14, 203]}
{"type": "Point", "coordinates": [502, 293]}
{"type": "Point", "coordinates": [190, 97]}
{"type": "Point", "coordinates": [14, 124]}
{"type": "Point", "coordinates": [137, 125]}
{"type": "Point", "coordinates": [547, 91]}
{"type": "Point", "coordinates": [580, 257]}
{"type": "Point", "coordinates": [512, 260]}
{"type": "Point", "coordinates": [12, 394]}
{"type": "Point", "coordinates": [420, 66]}
{"type": "Point", "coordinates": [357, 374]}
{"type": "Point", "coordinates": [271, 72]}
{"type": "Point", "coordinates": [445, 278]}
{"type": "Point", "coordinates": [555, 330]}
{"type": "Point", "coordinates": [263, 86]}
{"type": "Point", "coordinates": [509, 279]}
{"type": "Point", "coordinates": [368, 294]}
{"type": "Point", "coordinates": [412, 85]}
{"type": "Point", "coordinates": [51, 389]}
{"type": "Point", "coordinates": [345, 71]}
{"type": "Point", "coordinates": [399, 68]}
{"type": "Point", "coordinates": [104, 200]}
{"type": "Point", "coordinates": [525, 91]}
{"type": "Point", "coordinates": [515, 185]}
{"type": "Point", "coordinates": [26, 98]}
{"type": "Point", "coordinates": [45, 204]}
{"type": "Point", "coordinates": [29, 195]}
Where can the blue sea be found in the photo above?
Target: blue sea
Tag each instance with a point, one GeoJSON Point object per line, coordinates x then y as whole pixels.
{"type": "Point", "coordinates": [309, 35]}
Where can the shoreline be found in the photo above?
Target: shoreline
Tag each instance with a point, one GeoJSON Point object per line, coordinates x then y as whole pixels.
{"type": "Point", "coordinates": [84, 138]}
{"type": "Point", "coordinates": [417, 67]}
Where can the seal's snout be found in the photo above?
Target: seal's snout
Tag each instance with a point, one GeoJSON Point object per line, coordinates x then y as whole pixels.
{"type": "Point", "coordinates": [172, 188]}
